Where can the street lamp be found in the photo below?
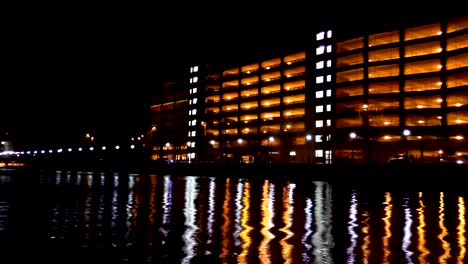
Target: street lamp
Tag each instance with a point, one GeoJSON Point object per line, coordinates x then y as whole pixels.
{"type": "Point", "coordinates": [270, 141]}
{"type": "Point", "coordinates": [308, 139]}
{"type": "Point", "coordinates": [406, 133]}
{"type": "Point", "coordinates": [352, 136]}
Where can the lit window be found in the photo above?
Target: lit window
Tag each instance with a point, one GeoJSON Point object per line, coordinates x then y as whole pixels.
{"type": "Point", "coordinates": [318, 123]}
{"type": "Point", "coordinates": [189, 131]}
{"type": "Point", "coordinates": [292, 153]}
{"type": "Point", "coordinates": [318, 138]}
{"type": "Point", "coordinates": [329, 93]}
{"type": "Point", "coordinates": [318, 153]}
{"type": "Point", "coordinates": [191, 80]}
{"type": "Point", "coordinates": [194, 122]}
{"type": "Point", "coordinates": [189, 123]}
{"type": "Point", "coordinates": [190, 89]}
{"type": "Point", "coordinates": [192, 155]}
{"type": "Point", "coordinates": [328, 107]}
{"type": "Point", "coordinates": [328, 63]}
{"type": "Point", "coordinates": [329, 34]}
{"type": "Point", "coordinates": [328, 122]}
{"type": "Point", "coordinates": [191, 69]}
{"type": "Point", "coordinates": [195, 79]}
{"type": "Point", "coordinates": [319, 94]}
{"type": "Point", "coordinates": [194, 133]}
{"type": "Point", "coordinates": [195, 69]}
{"type": "Point", "coordinates": [194, 100]}
{"type": "Point", "coordinates": [319, 65]}
{"type": "Point", "coordinates": [320, 50]}
{"type": "Point", "coordinates": [328, 138]}
{"type": "Point", "coordinates": [194, 111]}
{"type": "Point", "coordinates": [190, 112]}
{"type": "Point", "coordinates": [192, 144]}
{"type": "Point", "coordinates": [319, 79]}
{"type": "Point", "coordinates": [190, 102]}
{"type": "Point", "coordinates": [329, 48]}
{"type": "Point", "coordinates": [194, 90]}
{"type": "Point", "coordinates": [320, 35]}
{"type": "Point", "coordinates": [328, 78]}
{"type": "Point", "coordinates": [319, 108]}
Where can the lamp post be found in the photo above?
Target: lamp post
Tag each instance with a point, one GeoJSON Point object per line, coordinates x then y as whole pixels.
{"type": "Point", "coordinates": [308, 139]}
{"type": "Point", "coordinates": [352, 136]}
{"type": "Point", "coordinates": [270, 141]}
{"type": "Point", "coordinates": [406, 133]}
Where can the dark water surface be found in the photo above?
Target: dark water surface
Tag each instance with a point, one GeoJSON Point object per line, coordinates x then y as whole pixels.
{"type": "Point", "coordinates": [116, 217]}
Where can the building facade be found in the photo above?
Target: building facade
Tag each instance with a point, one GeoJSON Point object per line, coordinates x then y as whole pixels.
{"type": "Point", "coordinates": [358, 99]}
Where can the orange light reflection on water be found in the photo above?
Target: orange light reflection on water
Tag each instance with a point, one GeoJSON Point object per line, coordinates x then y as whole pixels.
{"type": "Point", "coordinates": [366, 239]}
{"type": "Point", "coordinates": [245, 234]}
{"type": "Point", "coordinates": [226, 223]}
{"type": "Point", "coordinates": [461, 230]}
{"type": "Point", "coordinates": [268, 212]}
{"type": "Point", "coordinates": [421, 232]}
{"type": "Point", "coordinates": [288, 201]}
{"type": "Point", "coordinates": [443, 231]}
{"type": "Point", "coordinates": [387, 227]}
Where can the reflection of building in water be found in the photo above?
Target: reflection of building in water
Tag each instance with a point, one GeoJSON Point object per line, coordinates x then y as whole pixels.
{"type": "Point", "coordinates": [288, 210]}
{"type": "Point", "coordinates": [268, 213]}
{"type": "Point", "coordinates": [407, 234]}
{"type": "Point", "coordinates": [190, 212]}
{"type": "Point", "coordinates": [353, 213]}
{"type": "Point", "coordinates": [322, 239]}
{"type": "Point", "coordinates": [461, 230]}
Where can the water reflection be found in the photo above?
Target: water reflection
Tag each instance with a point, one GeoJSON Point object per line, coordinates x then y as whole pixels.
{"type": "Point", "coordinates": [148, 218]}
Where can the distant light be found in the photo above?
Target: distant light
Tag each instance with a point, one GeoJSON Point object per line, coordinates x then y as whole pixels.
{"type": "Point", "coordinates": [35, 152]}
{"type": "Point", "coordinates": [50, 151]}
{"type": "Point", "coordinates": [28, 152]}
{"type": "Point", "coordinates": [308, 137]}
{"type": "Point", "coordinates": [91, 148]}
{"type": "Point", "coordinates": [352, 135]}
{"type": "Point", "coordinates": [168, 144]}
{"type": "Point", "coordinates": [69, 149]}
{"type": "Point", "coordinates": [59, 150]}
{"type": "Point", "coordinates": [239, 140]}
{"type": "Point", "coordinates": [406, 132]}
{"type": "Point", "coordinates": [271, 139]}
{"type": "Point", "coordinates": [42, 151]}
{"type": "Point", "coordinates": [212, 142]}
{"type": "Point", "coordinates": [80, 149]}
{"type": "Point", "coordinates": [132, 146]}
{"type": "Point", "coordinates": [117, 147]}
{"type": "Point", "coordinates": [103, 147]}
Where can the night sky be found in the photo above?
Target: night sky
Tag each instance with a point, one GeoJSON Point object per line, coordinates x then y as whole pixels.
{"type": "Point", "coordinates": [68, 70]}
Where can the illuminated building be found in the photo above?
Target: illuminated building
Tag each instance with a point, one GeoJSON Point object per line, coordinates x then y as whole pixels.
{"type": "Point", "coordinates": [399, 90]}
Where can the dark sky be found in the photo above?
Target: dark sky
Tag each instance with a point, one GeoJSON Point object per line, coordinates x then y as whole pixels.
{"type": "Point", "coordinates": [71, 69]}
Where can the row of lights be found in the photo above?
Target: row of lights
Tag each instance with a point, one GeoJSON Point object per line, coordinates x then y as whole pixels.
{"type": "Point", "coordinates": [61, 150]}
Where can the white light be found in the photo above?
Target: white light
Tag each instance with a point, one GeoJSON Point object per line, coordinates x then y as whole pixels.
{"type": "Point", "coordinates": [91, 148]}
{"type": "Point", "coordinates": [406, 132]}
{"type": "Point", "coordinates": [271, 139]}
{"type": "Point", "coordinates": [28, 152]}
{"type": "Point", "coordinates": [50, 151]}
{"type": "Point", "coordinates": [239, 141]}
{"type": "Point", "coordinates": [132, 146]}
{"type": "Point", "coordinates": [212, 142]}
{"type": "Point", "coordinates": [42, 151]}
{"type": "Point", "coordinates": [35, 152]}
{"type": "Point", "coordinates": [80, 149]}
{"type": "Point", "coordinates": [117, 147]}
{"type": "Point", "coordinates": [168, 144]}
{"type": "Point", "coordinates": [352, 135]}
{"type": "Point", "coordinates": [308, 137]}
{"type": "Point", "coordinates": [59, 150]}
{"type": "Point", "coordinates": [103, 147]}
{"type": "Point", "coordinates": [69, 149]}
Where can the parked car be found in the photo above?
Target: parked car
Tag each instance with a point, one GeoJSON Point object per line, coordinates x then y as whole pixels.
{"type": "Point", "coordinates": [454, 160]}
{"type": "Point", "coordinates": [400, 158]}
